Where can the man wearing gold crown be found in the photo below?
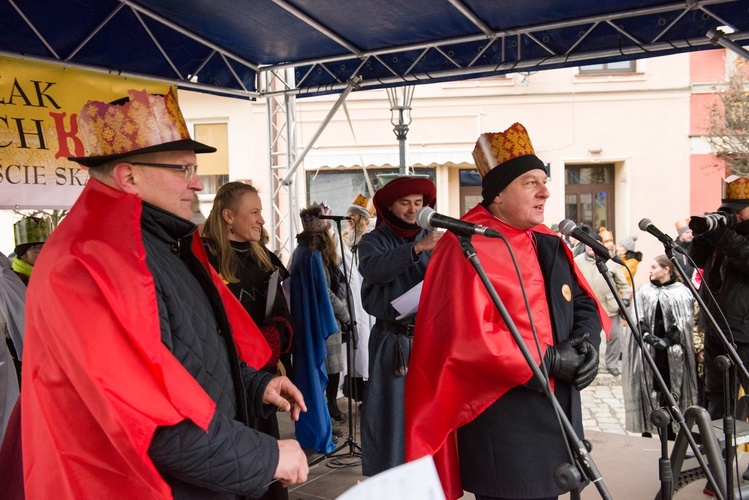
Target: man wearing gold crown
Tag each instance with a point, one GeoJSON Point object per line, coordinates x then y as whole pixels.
{"type": "Point", "coordinates": [471, 399]}
{"type": "Point", "coordinates": [362, 213]}
{"type": "Point", "coordinates": [721, 250]}
{"type": "Point", "coordinates": [137, 378]}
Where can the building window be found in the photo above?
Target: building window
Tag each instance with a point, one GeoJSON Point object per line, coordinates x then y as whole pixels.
{"type": "Point", "coordinates": [589, 195]}
{"type": "Point", "coordinates": [470, 190]}
{"type": "Point", "coordinates": [609, 68]}
{"type": "Point", "coordinates": [338, 187]}
{"type": "Point", "coordinates": [214, 167]}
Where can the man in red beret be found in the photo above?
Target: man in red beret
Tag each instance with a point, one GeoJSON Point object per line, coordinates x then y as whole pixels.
{"type": "Point", "coordinates": [471, 399]}
{"type": "Point", "coordinates": [392, 259]}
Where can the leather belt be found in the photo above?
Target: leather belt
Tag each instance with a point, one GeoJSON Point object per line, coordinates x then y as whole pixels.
{"type": "Point", "coordinates": [399, 328]}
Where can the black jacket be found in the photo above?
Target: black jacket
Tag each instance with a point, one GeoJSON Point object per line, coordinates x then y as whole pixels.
{"type": "Point", "coordinates": [519, 432]}
{"type": "Point", "coordinates": [723, 255]}
{"type": "Point", "coordinates": [231, 459]}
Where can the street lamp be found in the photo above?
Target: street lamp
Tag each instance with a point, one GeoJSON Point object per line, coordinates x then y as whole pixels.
{"type": "Point", "coordinates": [400, 116]}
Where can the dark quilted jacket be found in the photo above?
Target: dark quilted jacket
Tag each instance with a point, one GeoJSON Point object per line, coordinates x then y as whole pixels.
{"type": "Point", "coordinates": [231, 459]}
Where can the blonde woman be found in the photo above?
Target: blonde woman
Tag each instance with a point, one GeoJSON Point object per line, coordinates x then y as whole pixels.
{"type": "Point", "coordinates": [232, 234]}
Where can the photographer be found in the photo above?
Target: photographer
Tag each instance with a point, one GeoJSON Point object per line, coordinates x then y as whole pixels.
{"type": "Point", "coordinates": [720, 247]}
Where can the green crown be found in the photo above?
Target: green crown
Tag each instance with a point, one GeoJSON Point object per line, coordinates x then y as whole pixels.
{"type": "Point", "coordinates": [31, 230]}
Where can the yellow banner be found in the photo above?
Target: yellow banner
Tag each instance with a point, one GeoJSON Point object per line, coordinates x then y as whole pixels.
{"type": "Point", "coordinates": [39, 106]}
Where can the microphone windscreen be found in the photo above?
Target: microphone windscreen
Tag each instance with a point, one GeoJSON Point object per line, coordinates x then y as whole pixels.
{"type": "Point", "coordinates": [566, 227]}
{"type": "Point", "coordinates": [423, 216]}
{"type": "Point", "coordinates": [644, 223]}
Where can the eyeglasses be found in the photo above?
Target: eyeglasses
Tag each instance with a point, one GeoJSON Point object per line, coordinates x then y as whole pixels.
{"type": "Point", "coordinates": [37, 248]}
{"type": "Point", "coordinates": [189, 170]}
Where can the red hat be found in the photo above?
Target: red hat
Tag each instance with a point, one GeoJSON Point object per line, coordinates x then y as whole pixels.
{"type": "Point", "coordinates": [400, 187]}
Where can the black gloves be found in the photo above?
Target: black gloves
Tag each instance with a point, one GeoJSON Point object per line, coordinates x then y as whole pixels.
{"type": "Point", "coordinates": [574, 361]}
{"type": "Point", "coordinates": [587, 372]}
{"type": "Point", "coordinates": [562, 360]}
{"type": "Point", "coordinates": [659, 343]}
{"type": "Point", "coordinates": [673, 336]}
{"type": "Point", "coordinates": [644, 328]}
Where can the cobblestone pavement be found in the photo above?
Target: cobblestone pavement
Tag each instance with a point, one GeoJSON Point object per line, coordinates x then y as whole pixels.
{"type": "Point", "coordinates": [603, 405]}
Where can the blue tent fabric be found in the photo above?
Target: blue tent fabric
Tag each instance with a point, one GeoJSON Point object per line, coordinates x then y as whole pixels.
{"type": "Point", "coordinates": [226, 46]}
{"type": "Point", "coordinates": [314, 321]}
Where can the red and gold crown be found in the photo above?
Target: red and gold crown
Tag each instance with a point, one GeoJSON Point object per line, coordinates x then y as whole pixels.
{"type": "Point", "coordinates": [736, 189]}
{"type": "Point", "coordinates": [682, 223]}
{"type": "Point", "coordinates": [145, 123]}
{"type": "Point", "coordinates": [495, 148]}
{"type": "Point", "coordinates": [362, 206]}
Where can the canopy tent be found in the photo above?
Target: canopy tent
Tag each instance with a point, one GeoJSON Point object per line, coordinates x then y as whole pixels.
{"type": "Point", "coordinates": [281, 49]}
{"type": "Point", "coordinates": [229, 46]}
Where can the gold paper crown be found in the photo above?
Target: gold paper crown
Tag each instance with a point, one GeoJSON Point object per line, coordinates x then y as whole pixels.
{"type": "Point", "coordinates": [605, 235]}
{"type": "Point", "coordinates": [495, 148]}
{"type": "Point", "coordinates": [737, 189]}
{"type": "Point", "coordinates": [31, 230]}
{"type": "Point", "coordinates": [682, 223]}
{"type": "Point", "coordinates": [362, 205]}
{"type": "Point", "coordinates": [146, 120]}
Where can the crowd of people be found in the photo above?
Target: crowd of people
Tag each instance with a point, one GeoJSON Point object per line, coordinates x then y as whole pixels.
{"type": "Point", "coordinates": [155, 357]}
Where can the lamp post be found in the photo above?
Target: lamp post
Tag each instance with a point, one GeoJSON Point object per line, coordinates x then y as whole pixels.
{"type": "Point", "coordinates": [400, 117]}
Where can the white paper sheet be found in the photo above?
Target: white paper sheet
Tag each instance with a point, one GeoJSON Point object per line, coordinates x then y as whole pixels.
{"type": "Point", "coordinates": [411, 481]}
{"type": "Point", "coordinates": [407, 303]}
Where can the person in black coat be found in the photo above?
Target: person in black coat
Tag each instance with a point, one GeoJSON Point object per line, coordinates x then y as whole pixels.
{"type": "Point", "coordinates": [721, 250]}
{"type": "Point", "coordinates": [232, 234]}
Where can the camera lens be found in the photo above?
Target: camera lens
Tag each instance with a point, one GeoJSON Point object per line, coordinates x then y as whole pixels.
{"type": "Point", "coordinates": [708, 222]}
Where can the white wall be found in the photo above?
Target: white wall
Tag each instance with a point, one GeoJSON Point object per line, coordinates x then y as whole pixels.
{"type": "Point", "coordinates": [640, 122]}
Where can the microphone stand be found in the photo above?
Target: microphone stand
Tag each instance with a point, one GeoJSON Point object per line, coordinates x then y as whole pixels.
{"type": "Point", "coordinates": [583, 458]}
{"type": "Point", "coordinates": [729, 423]}
{"type": "Point", "coordinates": [354, 453]}
{"type": "Point", "coordinates": [673, 407]}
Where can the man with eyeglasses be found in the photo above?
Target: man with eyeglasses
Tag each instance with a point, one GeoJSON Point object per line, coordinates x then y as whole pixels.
{"type": "Point", "coordinates": [137, 367]}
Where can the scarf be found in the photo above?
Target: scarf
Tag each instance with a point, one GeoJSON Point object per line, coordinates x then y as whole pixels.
{"type": "Point", "coordinates": [21, 266]}
{"type": "Point", "coordinates": [400, 227]}
{"type": "Point", "coordinates": [671, 281]}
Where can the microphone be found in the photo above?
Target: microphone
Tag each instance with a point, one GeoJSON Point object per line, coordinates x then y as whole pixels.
{"type": "Point", "coordinates": [647, 226]}
{"type": "Point", "coordinates": [569, 228]}
{"type": "Point", "coordinates": [334, 217]}
{"type": "Point", "coordinates": [427, 218]}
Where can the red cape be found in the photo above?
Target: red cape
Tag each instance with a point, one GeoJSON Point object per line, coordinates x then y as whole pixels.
{"type": "Point", "coordinates": [463, 357]}
{"type": "Point", "coordinates": [97, 380]}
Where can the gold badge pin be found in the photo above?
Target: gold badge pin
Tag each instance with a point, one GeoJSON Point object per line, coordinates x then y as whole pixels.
{"type": "Point", "coordinates": [567, 293]}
